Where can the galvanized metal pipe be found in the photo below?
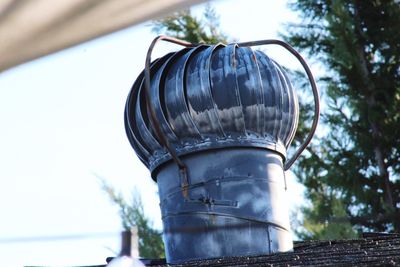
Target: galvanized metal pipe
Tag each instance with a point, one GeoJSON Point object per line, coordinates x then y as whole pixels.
{"type": "Point", "coordinates": [236, 205]}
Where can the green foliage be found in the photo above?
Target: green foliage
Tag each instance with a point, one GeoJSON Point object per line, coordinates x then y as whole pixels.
{"type": "Point", "coordinates": [354, 166]}
{"type": "Point", "coordinates": [151, 245]}
{"type": "Point", "coordinates": [327, 220]}
{"type": "Point", "coordinates": [184, 25]}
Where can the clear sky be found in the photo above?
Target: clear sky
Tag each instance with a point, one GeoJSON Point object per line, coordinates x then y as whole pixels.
{"type": "Point", "coordinates": [61, 125]}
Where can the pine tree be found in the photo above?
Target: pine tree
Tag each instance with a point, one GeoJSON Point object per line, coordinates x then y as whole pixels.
{"type": "Point", "coordinates": [355, 164]}
{"type": "Point", "coordinates": [184, 25]}
{"type": "Point", "coordinates": [132, 214]}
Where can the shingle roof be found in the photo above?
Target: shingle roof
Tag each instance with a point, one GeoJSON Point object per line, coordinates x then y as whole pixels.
{"type": "Point", "coordinates": [371, 250]}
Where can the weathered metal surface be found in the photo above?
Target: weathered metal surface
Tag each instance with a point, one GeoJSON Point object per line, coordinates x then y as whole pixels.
{"type": "Point", "coordinates": [236, 205]}
{"type": "Point", "coordinates": [213, 123]}
{"type": "Point", "coordinates": [213, 96]}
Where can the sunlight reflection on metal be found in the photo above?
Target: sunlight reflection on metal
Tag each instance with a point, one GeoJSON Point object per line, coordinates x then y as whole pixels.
{"type": "Point", "coordinates": [213, 124]}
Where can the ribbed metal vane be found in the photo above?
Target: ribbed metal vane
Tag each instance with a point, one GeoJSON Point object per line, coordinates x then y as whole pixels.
{"type": "Point", "coordinates": [213, 96]}
{"type": "Point", "coordinates": [213, 124]}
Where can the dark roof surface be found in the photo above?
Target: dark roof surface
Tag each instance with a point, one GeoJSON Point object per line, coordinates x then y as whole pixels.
{"type": "Point", "coordinates": [371, 250]}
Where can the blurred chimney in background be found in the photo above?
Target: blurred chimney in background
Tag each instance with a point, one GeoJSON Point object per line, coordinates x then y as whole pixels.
{"type": "Point", "coordinates": [129, 254]}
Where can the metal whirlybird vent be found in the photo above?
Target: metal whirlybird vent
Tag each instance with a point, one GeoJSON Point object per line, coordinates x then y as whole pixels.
{"type": "Point", "coordinates": [213, 96]}
{"type": "Point", "coordinates": [226, 114]}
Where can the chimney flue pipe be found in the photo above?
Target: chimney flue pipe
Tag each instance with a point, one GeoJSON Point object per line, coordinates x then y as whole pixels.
{"type": "Point", "coordinates": [213, 124]}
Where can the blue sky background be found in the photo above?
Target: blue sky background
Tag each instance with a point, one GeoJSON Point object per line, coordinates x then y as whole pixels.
{"type": "Point", "coordinates": [62, 126]}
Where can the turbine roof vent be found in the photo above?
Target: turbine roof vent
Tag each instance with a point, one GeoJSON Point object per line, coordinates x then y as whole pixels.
{"type": "Point", "coordinates": [213, 124]}
{"type": "Point", "coordinates": [212, 96]}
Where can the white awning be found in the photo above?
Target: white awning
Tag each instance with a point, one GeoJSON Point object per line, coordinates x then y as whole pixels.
{"type": "Point", "coordinates": [33, 28]}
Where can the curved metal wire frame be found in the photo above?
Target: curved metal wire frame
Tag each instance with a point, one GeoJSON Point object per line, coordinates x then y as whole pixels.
{"type": "Point", "coordinates": [161, 136]}
{"type": "Point", "coordinates": [150, 109]}
{"type": "Point", "coordinates": [314, 88]}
